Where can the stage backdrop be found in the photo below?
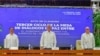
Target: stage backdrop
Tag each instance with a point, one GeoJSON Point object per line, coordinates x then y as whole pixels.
{"type": "Point", "coordinates": [29, 23]}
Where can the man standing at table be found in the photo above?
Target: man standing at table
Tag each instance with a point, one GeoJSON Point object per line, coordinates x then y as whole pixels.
{"type": "Point", "coordinates": [48, 39]}
{"type": "Point", "coordinates": [11, 40]}
{"type": "Point", "coordinates": [87, 40]}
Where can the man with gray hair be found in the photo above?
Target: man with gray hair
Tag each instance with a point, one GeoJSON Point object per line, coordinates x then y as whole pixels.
{"type": "Point", "coordinates": [48, 39]}
{"type": "Point", "coordinates": [87, 40]}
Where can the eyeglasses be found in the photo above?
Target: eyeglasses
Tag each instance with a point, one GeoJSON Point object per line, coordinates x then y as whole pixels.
{"type": "Point", "coordinates": [87, 29]}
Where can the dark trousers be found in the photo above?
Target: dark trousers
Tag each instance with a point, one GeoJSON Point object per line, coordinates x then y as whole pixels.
{"type": "Point", "coordinates": [47, 49]}
{"type": "Point", "coordinates": [88, 49]}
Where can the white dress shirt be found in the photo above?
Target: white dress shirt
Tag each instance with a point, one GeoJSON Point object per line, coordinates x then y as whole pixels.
{"type": "Point", "coordinates": [11, 41]}
{"type": "Point", "coordinates": [87, 41]}
{"type": "Point", "coordinates": [48, 39]}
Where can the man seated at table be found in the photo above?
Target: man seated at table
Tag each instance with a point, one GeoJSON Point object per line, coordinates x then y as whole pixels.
{"type": "Point", "coordinates": [87, 40]}
{"type": "Point", "coordinates": [48, 39]}
{"type": "Point", "coordinates": [11, 40]}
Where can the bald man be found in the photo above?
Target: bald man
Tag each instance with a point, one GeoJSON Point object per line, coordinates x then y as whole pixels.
{"type": "Point", "coordinates": [87, 39]}
{"type": "Point", "coordinates": [48, 39]}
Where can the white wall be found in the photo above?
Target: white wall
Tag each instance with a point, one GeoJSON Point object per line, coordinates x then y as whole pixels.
{"type": "Point", "coordinates": [95, 0]}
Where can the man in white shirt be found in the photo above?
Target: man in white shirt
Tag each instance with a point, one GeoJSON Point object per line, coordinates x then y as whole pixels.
{"type": "Point", "coordinates": [87, 39]}
{"type": "Point", "coordinates": [48, 39]}
{"type": "Point", "coordinates": [11, 40]}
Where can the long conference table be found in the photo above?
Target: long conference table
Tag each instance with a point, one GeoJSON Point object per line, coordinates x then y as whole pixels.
{"type": "Point", "coordinates": [49, 52]}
